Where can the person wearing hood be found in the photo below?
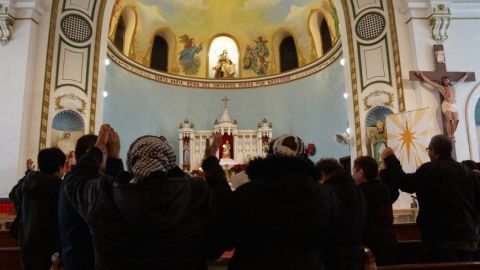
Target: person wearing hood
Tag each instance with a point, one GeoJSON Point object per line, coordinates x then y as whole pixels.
{"type": "Point", "coordinates": [36, 201]}
{"type": "Point", "coordinates": [282, 218]}
{"type": "Point", "coordinates": [345, 251]}
{"type": "Point", "coordinates": [153, 216]}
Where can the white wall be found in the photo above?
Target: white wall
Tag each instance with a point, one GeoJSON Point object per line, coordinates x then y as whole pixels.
{"type": "Point", "coordinates": [17, 76]}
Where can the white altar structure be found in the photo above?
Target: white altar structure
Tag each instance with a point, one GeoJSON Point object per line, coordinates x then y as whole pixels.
{"type": "Point", "coordinates": [237, 146]}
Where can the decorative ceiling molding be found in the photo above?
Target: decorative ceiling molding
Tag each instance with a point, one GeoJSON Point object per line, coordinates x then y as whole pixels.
{"type": "Point", "coordinates": [425, 8]}
{"type": "Point", "coordinates": [6, 25]}
{"type": "Point", "coordinates": [440, 20]}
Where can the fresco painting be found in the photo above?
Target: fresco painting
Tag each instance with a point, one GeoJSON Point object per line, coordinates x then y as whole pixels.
{"type": "Point", "coordinates": [254, 31]}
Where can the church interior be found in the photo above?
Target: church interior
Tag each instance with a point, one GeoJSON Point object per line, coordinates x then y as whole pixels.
{"type": "Point", "coordinates": [340, 74]}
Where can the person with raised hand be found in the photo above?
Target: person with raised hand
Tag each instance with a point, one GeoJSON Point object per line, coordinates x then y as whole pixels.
{"type": "Point", "coordinates": [154, 216]}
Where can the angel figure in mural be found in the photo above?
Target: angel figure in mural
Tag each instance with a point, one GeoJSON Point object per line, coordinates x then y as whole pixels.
{"type": "Point", "coordinates": [189, 61]}
{"type": "Point", "coordinates": [224, 68]}
{"type": "Point", "coordinates": [256, 58]}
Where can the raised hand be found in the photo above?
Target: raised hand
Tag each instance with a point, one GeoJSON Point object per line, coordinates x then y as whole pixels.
{"type": "Point", "coordinates": [103, 135]}
{"type": "Point", "coordinates": [387, 152]}
{"type": "Point", "coordinates": [30, 165]}
{"type": "Point", "coordinates": [211, 149]}
{"type": "Point", "coordinates": [113, 144]}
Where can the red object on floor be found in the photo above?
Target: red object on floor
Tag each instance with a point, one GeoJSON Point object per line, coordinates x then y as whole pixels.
{"type": "Point", "coordinates": [6, 207]}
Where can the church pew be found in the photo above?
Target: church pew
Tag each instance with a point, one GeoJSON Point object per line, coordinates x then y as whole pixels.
{"type": "Point", "coordinates": [406, 231]}
{"type": "Point", "coordinates": [6, 240]}
{"type": "Point", "coordinates": [433, 266]}
{"type": "Point", "coordinates": [9, 258]}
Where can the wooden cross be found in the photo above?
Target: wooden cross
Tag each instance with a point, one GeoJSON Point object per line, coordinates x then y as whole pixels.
{"type": "Point", "coordinates": [441, 69]}
{"type": "Point", "coordinates": [225, 100]}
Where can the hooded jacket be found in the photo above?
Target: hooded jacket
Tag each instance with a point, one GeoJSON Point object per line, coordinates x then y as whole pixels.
{"type": "Point", "coordinates": [345, 248]}
{"type": "Point", "coordinates": [36, 201]}
{"type": "Point", "coordinates": [158, 223]}
{"type": "Point", "coordinates": [282, 219]}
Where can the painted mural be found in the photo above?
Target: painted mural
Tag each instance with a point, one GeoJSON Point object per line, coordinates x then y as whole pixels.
{"type": "Point", "coordinates": [189, 60]}
{"type": "Point", "coordinates": [256, 58]}
{"type": "Point", "coordinates": [258, 27]}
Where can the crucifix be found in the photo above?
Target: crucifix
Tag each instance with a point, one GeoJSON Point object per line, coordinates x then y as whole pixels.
{"type": "Point", "coordinates": [440, 80]}
{"type": "Point", "coordinates": [225, 100]}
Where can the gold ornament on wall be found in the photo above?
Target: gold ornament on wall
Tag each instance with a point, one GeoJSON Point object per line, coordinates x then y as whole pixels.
{"type": "Point", "coordinates": [377, 98]}
{"type": "Point", "coordinates": [71, 102]}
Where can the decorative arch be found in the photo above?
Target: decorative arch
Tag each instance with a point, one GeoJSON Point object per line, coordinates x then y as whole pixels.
{"type": "Point", "coordinates": [100, 16]}
{"type": "Point", "coordinates": [167, 34]}
{"type": "Point", "coordinates": [215, 52]}
{"type": "Point", "coordinates": [321, 32]}
{"type": "Point", "coordinates": [277, 40]}
{"type": "Point", "coordinates": [473, 135]}
{"type": "Point", "coordinates": [127, 23]}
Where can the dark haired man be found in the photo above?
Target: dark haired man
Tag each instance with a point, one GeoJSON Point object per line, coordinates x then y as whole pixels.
{"type": "Point", "coordinates": [379, 235]}
{"type": "Point", "coordinates": [77, 245]}
{"type": "Point", "coordinates": [344, 251]}
{"type": "Point", "coordinates": [448, 195]}
{"type": "Point", "coordinates": [36, 202]}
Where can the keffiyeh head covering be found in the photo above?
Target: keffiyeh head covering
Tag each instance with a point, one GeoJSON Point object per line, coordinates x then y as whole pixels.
{"type": "Point", "coordinates": [149, 154]}
{"type": "Point", "coordinates": [287, 146]}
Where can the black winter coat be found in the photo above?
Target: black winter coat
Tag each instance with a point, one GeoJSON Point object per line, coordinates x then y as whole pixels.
{"type": "Point", "coordinates": [36, 202]}
{"type": "Point", "coordinates": [448, 196]}
{"type": "Point", "coordinates": [159, 223]}
{"type": "Point", "coordinates": [345, 250]}
{"type": "Point", "coordinates": [379, 234]}
{"type": "Point", "coordinates": [77, 245]}
{"type": "Point", "coordinates": [282, 219]}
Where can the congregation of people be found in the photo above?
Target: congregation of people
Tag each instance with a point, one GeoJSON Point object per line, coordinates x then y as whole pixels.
{"type": "Point", "coordinates": [291, 213]}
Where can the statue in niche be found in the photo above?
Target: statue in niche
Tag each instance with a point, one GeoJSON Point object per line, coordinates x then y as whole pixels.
{"type": "Point", "coordinates": [255, 57]}
{"type": "Point", "coordinates": [226, 150]}
{"type": "Point", "coordinates": [186, 155]}
{"type": "Point", "coordinates": [189, 60]}
{"type": "Point", "coordinates": [224, 68]}
{"type": "Point", "coordinates": [67, 143]}
{"type": "Point", "coordinates": [378, 140]}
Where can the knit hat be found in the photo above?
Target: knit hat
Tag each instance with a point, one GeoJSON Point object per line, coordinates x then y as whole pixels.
{"type": "Point", "coordinates": [149, 154]}
{"type": "Point", "coordinates": [287, 146]}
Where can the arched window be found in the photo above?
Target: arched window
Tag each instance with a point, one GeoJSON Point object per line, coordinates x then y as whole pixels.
{"type": "Point", "coordinates": [120, 34]}
{"type": "Point", "coordinates": [288, 54]}
{"type": "Point", "coordinates": [223, 58]}
{"type": "Point", "coordinates": [326, 37]}
{"type": "Point", "coordinates": [159, 58]}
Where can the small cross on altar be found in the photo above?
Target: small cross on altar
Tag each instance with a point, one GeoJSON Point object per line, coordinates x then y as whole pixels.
{"type": "Point", "coordinates": [225, 100]}
{"type": "Point", "coordinates": [441, 69]}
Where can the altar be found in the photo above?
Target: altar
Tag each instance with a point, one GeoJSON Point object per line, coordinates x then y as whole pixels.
{"type": "Point", "coordinates": [237, 146]}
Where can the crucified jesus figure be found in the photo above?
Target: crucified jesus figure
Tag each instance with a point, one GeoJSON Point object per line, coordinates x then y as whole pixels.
{"type": "Point", "coordinates": [449, 108]}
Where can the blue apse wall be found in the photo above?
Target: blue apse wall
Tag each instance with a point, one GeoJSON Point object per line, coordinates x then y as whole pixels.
{"type": "Point", "coordinates": [312, 108]}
